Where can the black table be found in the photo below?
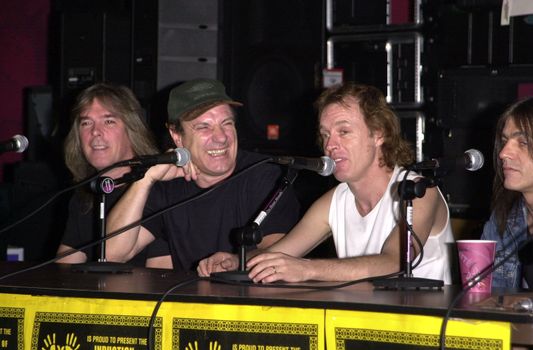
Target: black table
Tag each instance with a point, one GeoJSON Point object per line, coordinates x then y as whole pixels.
{"type": "Point", "coordinates": [81, 297]}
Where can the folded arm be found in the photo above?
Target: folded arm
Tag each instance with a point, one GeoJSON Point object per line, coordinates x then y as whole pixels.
{"type": "Point", "coordinates": [130, 208]}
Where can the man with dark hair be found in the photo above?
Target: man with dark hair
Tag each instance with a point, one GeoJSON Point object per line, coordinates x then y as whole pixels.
{"type": "Point", "coordinates": [362, 135]}
{"type": "Point", "coordinates": [107, 127]}
{"type": "Point", "coordinates": [512, 195]}
{"type": "Point", "coordinates": [201, 119]}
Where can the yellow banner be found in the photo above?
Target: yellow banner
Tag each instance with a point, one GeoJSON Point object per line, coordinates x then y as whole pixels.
{"type": "Point", "coordinates": [46, 323]}
{"type": "Point", "coordinates": [360, 330]}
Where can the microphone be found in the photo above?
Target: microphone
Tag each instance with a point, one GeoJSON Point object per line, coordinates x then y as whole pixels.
{"type": "Point", "coordinates": [324, 166]}
{"type": "Point", "coordinates": [471, 160]}
{"type": "Point", "coordinates": [106, 184]}
{"type": "Point", "coordinates": [102, 185]}
{"type": "Point", "coordinates": [17, 143]}
{"type": "Point", "coordinates": [179, 157]}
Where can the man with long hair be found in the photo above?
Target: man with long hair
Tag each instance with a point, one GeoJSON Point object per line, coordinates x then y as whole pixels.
{"type": "Point", "coordinates": [511, 219]}
{"type": "Point", "coordinates": [107, 127]}
{"type": "Point", "coordinates": [360, 132]}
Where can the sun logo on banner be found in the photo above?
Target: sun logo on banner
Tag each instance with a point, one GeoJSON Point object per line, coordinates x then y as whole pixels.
{"type": "Point", "coordinates": [71, 343]}
{"type": "Point", "coordinates": [213, 345]}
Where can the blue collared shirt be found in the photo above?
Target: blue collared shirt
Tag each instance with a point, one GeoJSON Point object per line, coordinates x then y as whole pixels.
{"type": "Point", "coordinates": [509, 274]}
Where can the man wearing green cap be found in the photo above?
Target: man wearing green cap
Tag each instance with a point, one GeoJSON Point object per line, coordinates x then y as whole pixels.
{"type": "Point", "coordinates": [201, 119]}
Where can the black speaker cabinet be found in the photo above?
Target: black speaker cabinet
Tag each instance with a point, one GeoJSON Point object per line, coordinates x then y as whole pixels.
{"type": "Point", "coordinates": [272, 61]}
{"type": "Point", "coordinates": [470, 100]}
{"type": "Point", "coordinates": [469, 32]}
{"type": "Point", "coordinates": [114, 41]}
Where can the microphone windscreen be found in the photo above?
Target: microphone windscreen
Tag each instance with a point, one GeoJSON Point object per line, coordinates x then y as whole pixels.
{"type": "Point", "coordinates": [22, 143]}
{"type": "Point", "coordinates": [329, 166]}
{"type": "Point", "coordinates": [183, 156]}
{"type": "Point", "coordinates": [475, 159]}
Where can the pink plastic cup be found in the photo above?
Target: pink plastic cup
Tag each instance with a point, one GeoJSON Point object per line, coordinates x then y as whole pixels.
{"type": "Point", "coordinates": [476, 256]}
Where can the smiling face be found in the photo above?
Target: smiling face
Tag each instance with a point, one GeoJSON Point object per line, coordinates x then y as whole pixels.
{"type": "Point", "coordinates": [103, 136]}
{"type": "Point", "coordinates": [212, 140]}
{"type": "Point", "coordinates": [348, 141]}
{"type": "Point", "coordinates": [517, 164]}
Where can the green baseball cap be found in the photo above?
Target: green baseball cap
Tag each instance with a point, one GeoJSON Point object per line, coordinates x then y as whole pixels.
{"type": "Point", "coordinates": [195, 97]}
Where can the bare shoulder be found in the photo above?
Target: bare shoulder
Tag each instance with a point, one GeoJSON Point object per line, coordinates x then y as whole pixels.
{"type": "Point", "coordinates": [434, 210]}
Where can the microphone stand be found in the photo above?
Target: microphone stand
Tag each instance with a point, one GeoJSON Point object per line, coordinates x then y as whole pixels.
{"type": "Point", "coordinates": [408, 191]}
{"type": "Point", "coordinates": [103, 186]}
{"type": "Point", "coordinates": [251, 234]}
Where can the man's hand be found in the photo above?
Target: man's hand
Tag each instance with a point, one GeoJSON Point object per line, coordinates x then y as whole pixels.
{"type": "Point", "coordinates": [218, 262]}
{"type": "Point", "coordinates": [271, 267]}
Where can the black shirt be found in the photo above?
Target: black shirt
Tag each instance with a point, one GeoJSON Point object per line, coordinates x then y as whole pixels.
{"type": "Point", "coordinates": [203, 226]}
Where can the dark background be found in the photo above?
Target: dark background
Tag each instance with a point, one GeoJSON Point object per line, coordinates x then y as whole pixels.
{"type": "Point", "coordinates": [447, 66]}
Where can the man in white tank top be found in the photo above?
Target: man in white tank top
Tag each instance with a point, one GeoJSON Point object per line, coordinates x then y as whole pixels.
{"type": "Point", "coordinates": [362, 135]}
